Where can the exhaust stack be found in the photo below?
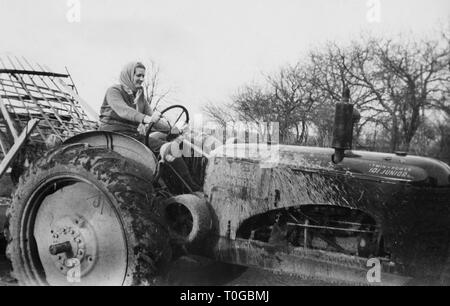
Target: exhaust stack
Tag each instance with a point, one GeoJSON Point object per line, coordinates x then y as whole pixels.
{"type": "Point", "coordinates": [344, 119]}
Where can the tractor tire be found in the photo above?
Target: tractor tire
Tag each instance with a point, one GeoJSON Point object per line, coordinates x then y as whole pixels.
{"type": "Point", "coordinates": [86, 216]}
{"type": "Point", "coordinates": [27, 154]}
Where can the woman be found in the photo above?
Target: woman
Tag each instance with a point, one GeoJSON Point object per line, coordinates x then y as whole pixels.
{"type": "Point", "coordinates": [125, 110]}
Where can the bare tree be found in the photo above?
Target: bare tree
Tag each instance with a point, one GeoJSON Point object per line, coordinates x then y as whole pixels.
{"type": "Point", "coordinates": [443, 144]}
{"type": "Point", "coordinates": [443, 103]}
{"type": "Point", "coordinates": [223, 115]}
{"type": "Point", "coordinates": [416, 70]}
{"type": "Point", "coordinates": [292, 101]}
{"type": "Point", "coordinates": [154, 92]}
{"type": "Point", "coordinates": [395, 82]}
{"type": "Point", "coordinates": [328, 74]}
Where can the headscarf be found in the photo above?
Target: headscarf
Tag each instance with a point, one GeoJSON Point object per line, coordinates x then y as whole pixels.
{"type": "Point", "coordinates": [127, 77]}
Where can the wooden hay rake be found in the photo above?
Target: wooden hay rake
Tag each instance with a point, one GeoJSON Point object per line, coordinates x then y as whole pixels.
{"type": "Point", "coordinates": [37, 106]}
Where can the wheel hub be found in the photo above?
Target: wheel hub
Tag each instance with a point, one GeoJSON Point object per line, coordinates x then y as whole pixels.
{"type": "Point", "coordinates": [70, 243]}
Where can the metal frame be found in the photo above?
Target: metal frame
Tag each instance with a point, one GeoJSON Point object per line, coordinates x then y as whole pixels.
{"type": "Point", "coordinates": [36, 103]}
{"type": "Point", "coordinates": [18, 143]}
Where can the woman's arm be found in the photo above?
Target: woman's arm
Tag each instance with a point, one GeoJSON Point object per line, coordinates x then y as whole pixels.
{"type": "Point", "coordinates": [117, 103]}
{"type": "Point", "coordinates": [161, 125]}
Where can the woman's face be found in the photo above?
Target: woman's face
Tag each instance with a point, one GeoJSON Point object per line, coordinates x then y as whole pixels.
{"type": "Point", "coordinates": [139, 77]}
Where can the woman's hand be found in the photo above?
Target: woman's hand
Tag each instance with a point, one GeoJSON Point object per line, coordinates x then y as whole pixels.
{"type": "Point", "coordinates": [153, 118]}
{"type": "Point", "coordinates": [142, 129]}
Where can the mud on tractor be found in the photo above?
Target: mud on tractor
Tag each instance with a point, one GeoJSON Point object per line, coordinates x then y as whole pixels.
{"type": "Point", "coordinates": [105, 201]}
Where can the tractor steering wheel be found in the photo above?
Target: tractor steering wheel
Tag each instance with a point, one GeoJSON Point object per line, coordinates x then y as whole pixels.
{"type": "Point", "coordinates": [184, 111]}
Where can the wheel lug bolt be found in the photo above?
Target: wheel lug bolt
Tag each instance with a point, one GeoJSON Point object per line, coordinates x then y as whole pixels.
{"type": "Point", "coordinates": [78, 221]}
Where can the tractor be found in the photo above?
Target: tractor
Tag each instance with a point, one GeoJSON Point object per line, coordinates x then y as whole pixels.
{"type": "Point", "coordinates": [101, 209]}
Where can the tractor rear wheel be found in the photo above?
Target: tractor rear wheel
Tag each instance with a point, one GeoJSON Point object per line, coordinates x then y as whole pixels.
{"type": "Point", "coordinates": [86, 216]}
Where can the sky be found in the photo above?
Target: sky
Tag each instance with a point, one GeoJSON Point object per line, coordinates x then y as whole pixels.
{"type": "Point", "coordinates": [205, 49]}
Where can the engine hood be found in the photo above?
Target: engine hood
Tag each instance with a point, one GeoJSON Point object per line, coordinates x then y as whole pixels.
{"type": "Point", "coordinates": [367, 165]}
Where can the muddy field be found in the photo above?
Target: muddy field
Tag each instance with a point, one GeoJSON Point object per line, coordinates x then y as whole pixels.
{"type": "Point", "coordinates": [189, 272]}
{"type": "Point", "coordinates": [197, 271]}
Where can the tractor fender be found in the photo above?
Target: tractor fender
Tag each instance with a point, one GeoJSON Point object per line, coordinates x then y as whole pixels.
{"type": "Point", "coordinates": [126, 146]}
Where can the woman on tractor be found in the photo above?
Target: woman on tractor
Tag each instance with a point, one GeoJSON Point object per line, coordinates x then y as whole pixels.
{"type": "Point", "coordinates": [125, 110]}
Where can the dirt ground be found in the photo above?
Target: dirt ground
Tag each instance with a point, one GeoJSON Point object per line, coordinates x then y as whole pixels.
{"type": "Point", "coordinates": [195, 271]}
{"type": "Point", "coordinates": [203, 272]}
